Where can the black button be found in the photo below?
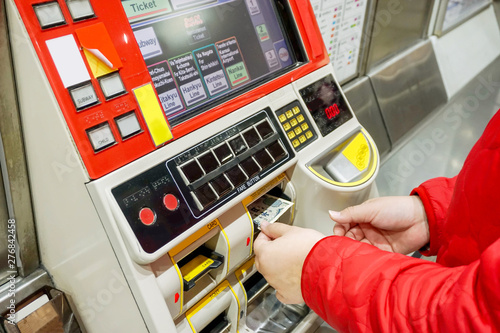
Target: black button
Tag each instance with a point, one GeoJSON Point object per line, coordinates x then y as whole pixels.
{"type": "Point", "coordinates": [208, 162]}
{"type": "Point", "coordinates": [223, 153]}
{"type": "Point", "coordinates": [251, 137]}
{"type": "Point", "coordinates": [276, 151]}
{"type": "Point", "coordinates": [205, 195]}
{"type": "Point", "coordinates": [263, 158]}
{"type": "Point", "coordinates": [265, 130]}
{"type": "Point", "coordinates": [221, 185]}
{"type": "Point", "coordinates": [236, 176]}
{"type": "Point", "coordinates": [192, 171]}
{"type": "Point", "coordinates": [250, 167]}
{"type": "Point", "coordinates": [238, 145]}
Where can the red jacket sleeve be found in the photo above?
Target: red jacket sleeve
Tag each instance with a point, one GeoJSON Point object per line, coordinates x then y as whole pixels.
{"type": "Point", "coordinates": [356, 287]}
{"type": "Point", "coordinates": [436, 196]}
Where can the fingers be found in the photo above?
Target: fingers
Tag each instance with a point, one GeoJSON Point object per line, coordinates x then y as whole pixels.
{"type": "Point", "coordinates": [274, 230]}
{"type": "Point", "coordinates": [340, 229]}
{"type": "Point", "coordinates": [355, 233]}
{"type": "Point", "coordinates": [261, 239]}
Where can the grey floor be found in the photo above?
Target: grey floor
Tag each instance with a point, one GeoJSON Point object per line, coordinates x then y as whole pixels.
{"type": "Point", "coordinates": [440, 144]}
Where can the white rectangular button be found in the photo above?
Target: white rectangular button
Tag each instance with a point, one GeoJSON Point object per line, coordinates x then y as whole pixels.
{"type": "Point", "coordinates": [49, 14]}
{"type": "Point", "coordinates": [128, 125]}
{"type": "Point", "coordinates": [101, 136]}
{"type": "Point", "coordinates": [80, 9]}
{"type": "Point", "coordinates": [83, 96]}
{"type": "Point", "coordinates": [112, 85]}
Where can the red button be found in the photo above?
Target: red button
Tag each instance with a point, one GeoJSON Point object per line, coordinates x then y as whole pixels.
{"type": "Point", "coordinates": [147, 216]}
{"type": "Point", "coordinates": [171, 202]}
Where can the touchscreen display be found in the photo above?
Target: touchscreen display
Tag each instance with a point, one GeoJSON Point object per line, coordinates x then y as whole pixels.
{"type": "Point", "coordinates": [202, 52]}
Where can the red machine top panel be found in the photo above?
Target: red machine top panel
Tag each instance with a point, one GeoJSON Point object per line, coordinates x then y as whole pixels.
{"type": "Point", "coordinates": [130, 76]}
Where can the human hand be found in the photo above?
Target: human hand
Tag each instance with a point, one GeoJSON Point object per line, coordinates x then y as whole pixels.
{"type": "Point", "coordinates": [280, 252]}
{"type": "Point", "coordinates": [395, 224]}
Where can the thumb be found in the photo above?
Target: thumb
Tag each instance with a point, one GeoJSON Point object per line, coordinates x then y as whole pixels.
{"type": "Point", "coordinates": [274, 230]}
{"type": "Point", "coordinates": [355, 214]}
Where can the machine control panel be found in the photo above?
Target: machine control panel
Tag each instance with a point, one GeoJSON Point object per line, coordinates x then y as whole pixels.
{"type": "Point", "coordinates": [169, 198]}
{"type": "Point", "coordinates": [326, 104]}
{"type": "Point", "coordinates": [296, 125]}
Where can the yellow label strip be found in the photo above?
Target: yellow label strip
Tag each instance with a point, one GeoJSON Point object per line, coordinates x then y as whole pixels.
{"type": "Point", "coordinates": [153, 114]}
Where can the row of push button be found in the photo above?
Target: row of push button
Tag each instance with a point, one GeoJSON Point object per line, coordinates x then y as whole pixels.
{"type": "Point", "coordinates": [209, 192]}
{"type": "Point", "coordinates": [297, 127]}
{"type": "Point", "coordinates": [85, 96]}
{"type": "Point", "coordinates": [50, 15]}
{"type": "Point", "coordinates": [101, 136]}
{"type": "Point", "coordinates": [215, 172]}
{"type": "Point", "coordinates": [211, 160]}
{"type": "Point", "coordinates": [148, 216]}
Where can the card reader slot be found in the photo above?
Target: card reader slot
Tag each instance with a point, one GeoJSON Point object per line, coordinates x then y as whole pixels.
{"type": "Point", "coordinates": [219, 325]}
{"type": "Point", "coordinates": [197, 264]}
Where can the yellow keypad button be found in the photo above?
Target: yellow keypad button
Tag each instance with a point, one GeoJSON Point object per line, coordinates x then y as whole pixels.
{"type": "Point", "coordinates": [291, 135]}
{"type": "Point", "coordinates": [289, 114]}
{"type": "Point", "coordinates": [298, 130]}
{"type": "Point", "coordinates": [304, 126]}
{"type": "Point", "coordinates": [296, 110]}
{"type": "Point", "coordinates": [282, 118]}
{"type": "Point", "coordinates": [287, 126]}
{"type": "Point", "coordinates": [295, 143]}
{"type": "Point", "coordinates": [309, 134]}
{"type": "Point", "coordinates": [293, 122]}
{"type": "Point", "coordinates": [302, 138]}
{"type": "Point", "coordinates": [300, 118]}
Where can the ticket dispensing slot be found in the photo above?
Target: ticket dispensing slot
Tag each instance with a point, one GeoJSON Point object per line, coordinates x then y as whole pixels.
{"type": "Point", "coordinates": [218, 312]}
{"type": "Point", "coordinates": [264, 313]}
{"type": "Point", "coordinates": [254, 287]}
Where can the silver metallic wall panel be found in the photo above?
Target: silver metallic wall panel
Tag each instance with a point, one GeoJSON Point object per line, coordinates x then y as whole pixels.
{"type": "Point", "coordinates": [364, 104]}
{"type": "Point", "coordinates": [397, 24]}
{"type": "Point", "coordinates": [408, 88]}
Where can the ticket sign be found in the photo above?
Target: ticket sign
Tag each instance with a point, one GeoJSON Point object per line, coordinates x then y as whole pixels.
{"type": "Point", "coordinates": [164, 83]}
{"type": "Point", "coordinates": [232, 59]}
{"type": "Point", "coordinates": [139, 9]}
{"type": "Point", "coordinates": [211, 69]}
{"type": "Point", "coordinates": [188, 78]}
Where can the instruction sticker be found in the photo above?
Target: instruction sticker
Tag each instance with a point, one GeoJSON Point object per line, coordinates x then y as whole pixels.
{"type": "Point", "coordinates": [148, 43]}
{"type": "Point", "coordinates": [231, 57]}
{"type": "Point", "coordinates": [211, 70]}
{"type": "Point", "coordinates": [165, 87]}
{"type": "Point", "coordinates": [187, 76]}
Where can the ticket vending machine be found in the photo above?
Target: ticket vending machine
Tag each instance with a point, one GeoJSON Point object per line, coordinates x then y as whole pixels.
{"type": "Point", "coordinates": [153, 129]}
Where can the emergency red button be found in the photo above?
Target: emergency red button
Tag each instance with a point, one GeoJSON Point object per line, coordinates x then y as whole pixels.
{"type": "Point", "coordinates": [147, 216]}
{"type": "Point", "coordinates": [171, 202]}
